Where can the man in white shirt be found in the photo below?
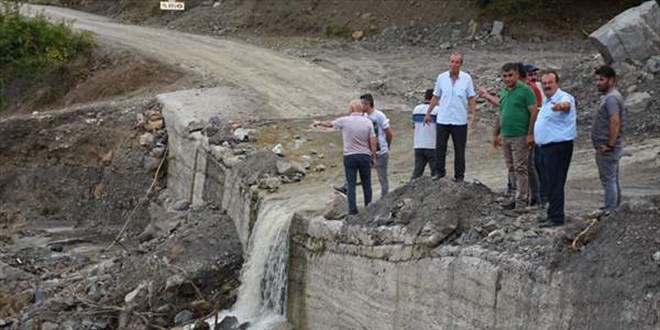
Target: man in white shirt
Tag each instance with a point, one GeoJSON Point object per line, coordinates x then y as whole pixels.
{"type": "Point", "coordinates": [424, 139]}
{"type": "Point", "coordinates": [384, 135]}
{"type": "Point", "coordinates": [454, 95]}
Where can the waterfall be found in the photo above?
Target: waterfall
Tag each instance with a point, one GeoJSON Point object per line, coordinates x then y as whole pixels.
{"type": "Point", "coordinates": [262, 294]}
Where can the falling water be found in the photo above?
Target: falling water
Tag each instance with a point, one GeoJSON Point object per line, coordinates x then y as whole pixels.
{"type": "Point", "coordinates": [262, 294]}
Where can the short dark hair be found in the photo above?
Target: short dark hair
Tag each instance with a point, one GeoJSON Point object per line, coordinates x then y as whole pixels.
{"type": "Point", "coordinates": [552, 72]}
{"type": "Point", "coordinates": [369, 98]}
{"type": "Point", "coordinates": [510, 67]}
{"type": "Point", "coordinates": [606, 71]}
{"type": "Point", "coordinates": [521, 70]}
{"type": "Point", "coordinates": [428, 94]}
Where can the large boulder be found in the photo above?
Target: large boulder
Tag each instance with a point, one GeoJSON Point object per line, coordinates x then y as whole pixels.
{"type": "Point", "coordinates": [633, 34]}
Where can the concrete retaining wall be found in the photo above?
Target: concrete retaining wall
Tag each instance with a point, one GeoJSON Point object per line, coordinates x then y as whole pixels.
{"type": "Point", "coordinates": [199, 172]}
{"type": "Point", "coordinates": [335, 285]}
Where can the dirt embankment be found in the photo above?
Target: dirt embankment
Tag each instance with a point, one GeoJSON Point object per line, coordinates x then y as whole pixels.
{"type": "Point", "coordinates": [338, 19]}
{"type": "Point", "coordinates": [70, 181]}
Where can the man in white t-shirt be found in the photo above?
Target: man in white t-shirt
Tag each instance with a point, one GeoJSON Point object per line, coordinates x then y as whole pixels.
{"type": "Point", "coordinates": [384, 135]}
{"type": "Point", "coordinates": [424, 139]}
{"type": "Point", "coordinates": [454, 95]}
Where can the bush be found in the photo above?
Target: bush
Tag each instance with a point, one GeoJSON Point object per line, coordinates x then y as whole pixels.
{"type": "Point", "coordinates": [337, 30]}
{"type": "Point", "coordinates": [33, 49]}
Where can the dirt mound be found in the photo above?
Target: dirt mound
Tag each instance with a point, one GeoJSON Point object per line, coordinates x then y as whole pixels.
{"type": "Point", "coordinates": [622, 253]}
{"type": "Point", "coordinates": [470, 213]}
{"type": "Point", "coordinates": [109, 73]}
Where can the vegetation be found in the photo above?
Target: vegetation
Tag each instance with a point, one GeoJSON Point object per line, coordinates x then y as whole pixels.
{"type": "Point", "coordinates": [34, 50]}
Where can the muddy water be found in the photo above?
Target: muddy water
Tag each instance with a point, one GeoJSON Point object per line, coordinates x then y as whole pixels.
{"type": "Point", "coordinates": [262, 295]}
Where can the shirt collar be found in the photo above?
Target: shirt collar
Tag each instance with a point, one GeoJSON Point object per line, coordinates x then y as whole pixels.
{"type": "Point", "coordinates": [361, 114]}
{"type": "Point", "coordinates": [554, 96]}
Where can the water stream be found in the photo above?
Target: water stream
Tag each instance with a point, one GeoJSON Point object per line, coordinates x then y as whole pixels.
{"type": "Point", "coordinates": [262, 294]}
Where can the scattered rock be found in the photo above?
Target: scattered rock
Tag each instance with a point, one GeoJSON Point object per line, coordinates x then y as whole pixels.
{"type": "Point", "coordinates": [336, 207]}
{"type": "Point", "coordinates": [148, 233]}
{"type": "Point", "coordinates": [151, 163]}
{"type": "Point", "coordinates": [228, 323]}
{"type": "Point", "coordinates": [472, 29]}
{"type": "Point", "coordinates": [289, 168]}
{"type": "Point", "coordinates": [319, 168]}
{"type": "Point", "coordinates": [357, 35]}
{"type": "Point", "coordinates": [496, 32]}
{"type": "Point", "coordinates": [446, 45]}
{"type": "Point", "coordinates": [638, 102]}
{"type": "Point", "coordinates": [154, 125]}
{"type": "Point", "coordinates": [653, 64]}
{"type": "Point", "coordinates": [181, 205]}
{"type": "Point", "coordinates": [48, 326]}
{"type": "Point", "coordinates": [244, 135]}
{"type": "Point", "coordinates": [146, 139]}
{"type": "Point", "coordinates": [130, 297]}
{"type": "Point", "coordinates": [278, 150]}
{"type": "Point", "coordinates": [656, 257]}
{"type": "Point", "coordinates": [405, 211]}
{"type": "Point", "coordinates": [201, 325]}
{"type": "Point", "coordinates": [270, 183]}
{"type": "Point", "coordinates": [183, 317]}
{"type": "Point", "coordinates": [157, 152]}
{"type": "Point", "coordinates": [174, 281]}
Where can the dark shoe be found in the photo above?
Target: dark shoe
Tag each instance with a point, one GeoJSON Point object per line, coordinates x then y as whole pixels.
{"type": "Point", "coordinates": [458, 180]}
{"type": "Point", "coordinates": [341, 190]}
{"type": "Point", "coordinates": [437, 177]}
{"type": "Point", "coordinates": [509, 205]}
{"type": "Point", "coordinates": [551, 223]}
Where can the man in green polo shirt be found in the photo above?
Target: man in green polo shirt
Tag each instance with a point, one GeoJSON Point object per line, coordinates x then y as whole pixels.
{"type": "Point", "coordinates": [515, 130]}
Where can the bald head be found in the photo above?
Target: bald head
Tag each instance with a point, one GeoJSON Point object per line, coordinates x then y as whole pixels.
{"type": "Point", "coordinates": [355, 106]}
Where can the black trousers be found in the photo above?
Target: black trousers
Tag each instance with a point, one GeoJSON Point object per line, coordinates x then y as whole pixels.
{"type": "Point", "coordinates": [423, 157]}
{"type": "Point", "coordinates": [556, 159]}
{"type": "Point", "coordinates": [458, 135]}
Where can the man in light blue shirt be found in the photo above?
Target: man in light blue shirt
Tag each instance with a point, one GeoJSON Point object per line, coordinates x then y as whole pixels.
{"type": "Point", "coordinates": [454, 95]}
{"type": "Point", "coordinates": [554, 132]}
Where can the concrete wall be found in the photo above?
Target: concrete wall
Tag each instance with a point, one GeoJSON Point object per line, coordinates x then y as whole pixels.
{"type": "Point", "coordinates": [201, 173]}
{"type": "Point", "coordinates": [341, 282]}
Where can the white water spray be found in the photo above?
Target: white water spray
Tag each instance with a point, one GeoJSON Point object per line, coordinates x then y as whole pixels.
{"type": "Point", "coordinates": [262, 294]}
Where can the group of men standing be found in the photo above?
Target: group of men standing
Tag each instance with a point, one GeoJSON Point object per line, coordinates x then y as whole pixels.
{"type": "Point", "coordinates": [535, 132]}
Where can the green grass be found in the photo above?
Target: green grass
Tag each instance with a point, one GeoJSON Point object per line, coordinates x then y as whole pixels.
{"type": "Point", "coordinates": [33, 49]}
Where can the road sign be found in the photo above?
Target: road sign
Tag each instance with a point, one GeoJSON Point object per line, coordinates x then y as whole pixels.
{"type": "Point", "coordinates": [172, 5]}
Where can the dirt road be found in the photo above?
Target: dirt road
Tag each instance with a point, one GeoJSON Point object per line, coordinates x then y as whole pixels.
{"type": "Point", "coordinates": [287, 85]}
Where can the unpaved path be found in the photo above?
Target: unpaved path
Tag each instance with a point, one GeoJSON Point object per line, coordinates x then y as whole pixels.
{"type": "Point", "coordinates": [286, 87]}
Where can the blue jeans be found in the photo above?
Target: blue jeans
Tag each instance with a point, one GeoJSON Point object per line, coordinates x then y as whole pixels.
{"type": "Point", "coordinates": [352, 165]}
{"type": "Point", "coordinates": [608, 170]}
{"type": "Point", "coordinates": [557, 160]}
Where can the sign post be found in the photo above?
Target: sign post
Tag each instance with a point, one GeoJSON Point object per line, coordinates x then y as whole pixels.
{"type": "Point", "coordinates": [172, 5]}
